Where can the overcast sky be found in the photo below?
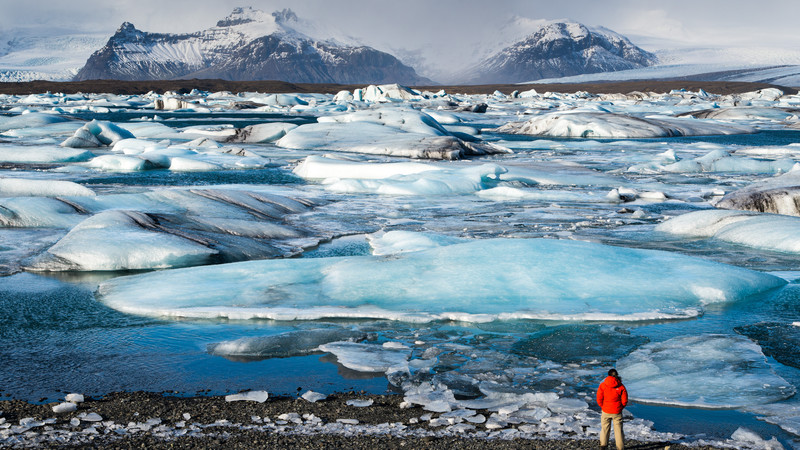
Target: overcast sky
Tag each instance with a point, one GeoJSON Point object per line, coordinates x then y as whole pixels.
{"type": "Point", "coordinates": [447, 30]}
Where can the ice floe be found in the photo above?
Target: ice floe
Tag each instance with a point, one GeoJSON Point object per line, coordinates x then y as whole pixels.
{"type": "Point", "coordinates": [585, 124]}
{"type": "Point", "coordinates": [407, 133]}
{"type": "Point", "coordinates": [486, 180]}
{"type": "Point", "coordinates": [528, 278]}
{"type": "Point", "coordinates": [707, 371]}
{"type": "Point", "coordinates": [368, 357]}
{"type": "Point", "coordinates": [766, 231]}
{"type": "Point", "coordinates": [160, 229]}
{"type": "Point", "coordinates": [21, 187]}
{"type": "Point", "coordinates": [715, 161]}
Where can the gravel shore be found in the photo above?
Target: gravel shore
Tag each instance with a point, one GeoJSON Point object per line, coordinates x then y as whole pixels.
{"type": "Point", "coordinates": [154, 421]}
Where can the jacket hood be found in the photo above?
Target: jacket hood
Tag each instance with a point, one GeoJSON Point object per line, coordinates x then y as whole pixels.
{"type": "Point", "coordinates": [611, 382]}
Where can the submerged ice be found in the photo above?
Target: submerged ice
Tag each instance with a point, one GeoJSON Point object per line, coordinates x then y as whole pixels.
{"type": "Point", "coordinates": [709, 371]}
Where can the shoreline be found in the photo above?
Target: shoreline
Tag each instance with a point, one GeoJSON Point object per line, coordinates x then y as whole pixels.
{"type": "Point", "coordinates": [271, 86]}
{"type": "Point", "coordinates": [165, 420]}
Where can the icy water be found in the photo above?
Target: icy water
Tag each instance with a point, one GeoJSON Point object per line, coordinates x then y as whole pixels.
{"type": "Point", "coordinates": [229, 267]}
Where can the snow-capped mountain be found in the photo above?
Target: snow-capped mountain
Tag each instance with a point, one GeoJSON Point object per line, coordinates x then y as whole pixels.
{"type": "Point", "coordinates": [247, 45]}
{"type": "Point", "coordinates": [560, 49]}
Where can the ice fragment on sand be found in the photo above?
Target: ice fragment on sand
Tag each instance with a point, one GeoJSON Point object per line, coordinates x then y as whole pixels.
{"type": "Point", "coordinates": [348, 421]}
{"type": "Point", "coordinates": [435, 398]}
{"type": "Point", "coordinates": [90, 417]}
{"type": "Point", "coordinates": [360, 403]}
{"type": "Point", "coordinates": [313, 397]}
{"type": "Point", "coordinates": [250, 396]}
{"type": "Point", "coordinates": [75, 398]}
{"type": "Point", "coordinates": [64, 407]}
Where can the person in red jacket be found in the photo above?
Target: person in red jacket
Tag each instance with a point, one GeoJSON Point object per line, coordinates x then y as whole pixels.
{"type": "Point", "coordinates": [612, 398]}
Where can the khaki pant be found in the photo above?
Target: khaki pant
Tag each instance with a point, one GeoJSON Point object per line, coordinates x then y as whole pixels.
{"type": "Point", "coordinates": [605, 430]}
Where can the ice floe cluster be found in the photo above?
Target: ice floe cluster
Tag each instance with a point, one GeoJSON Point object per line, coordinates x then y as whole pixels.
{"type": "Point", "coordinates": [548, 221]}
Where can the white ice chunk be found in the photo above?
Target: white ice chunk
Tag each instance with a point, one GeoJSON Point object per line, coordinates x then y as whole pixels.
{"type": "Point", "coordinates": [122, 240]}
{"type": "Point", "coordinates": [31, 120]}
{"type": "Point", "coordinates": [74, 398]}
{"type": "Point", "coordinates": [405, 119]}
{"type": "Point", "coordinates": [372, 138]}
{"type": "Point", "coordinates": [527, 278]}
{"type": "Point", "coordinates": [367, 357]}
{"type": "Point", "coordinates": [42, 154]}
{"type": "Point", "coordinates": [179, 164]}
{"type": "Point", "coordinates": [65, 407]}
{"type": "Point", "coordinates": [319, 168]}
{"type": "Point", "coordinates": [115, 163]}
{"type": "Point", "coordinates": [90, 417]}
{"type": "Point", "coordinates": [752, 439]}
{"type": "Point", "coordinates": [717, 161]}
{"type": "Point", "coordinates": [360, 403]}
{"type": "Point", "coordinates": [249, 396]}
{"type": "Point", "coordinates": [765, 231]}
{"type": "Point", "coordinates": [435, 398]}
{"type": "Point", "coordinates": [388, 93]}
{"type": "Point", "coordinates": [103, 132]}
{"type": "Point", "coordinates": [82, 138]}
{"type": "Point", "coordinates": [398, 132]}
{"type": "Point", "coordinates": [21, 187]}
{"type": "Point", "coordinates": [706, 371]}
{"type": "Point", "coordinates": [450, 181]}
{"type": "Point", "coordinates": [313, 397]}
{"type": "Point", "coordinates": [264, 132]}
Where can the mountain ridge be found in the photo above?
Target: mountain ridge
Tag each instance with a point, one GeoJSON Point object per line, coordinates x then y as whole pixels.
{"type": "Point", "coordinates": [560, 49]}
{"type": "Point", "coordinates": [246, 45]}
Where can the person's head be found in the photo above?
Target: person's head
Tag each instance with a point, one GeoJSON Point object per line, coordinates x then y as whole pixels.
{"type": "Point", "coordinates": [614, 373]}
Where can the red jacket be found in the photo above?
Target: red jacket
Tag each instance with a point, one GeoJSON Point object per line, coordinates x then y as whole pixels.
{"type": "Point", "coordinates": [612, 396]}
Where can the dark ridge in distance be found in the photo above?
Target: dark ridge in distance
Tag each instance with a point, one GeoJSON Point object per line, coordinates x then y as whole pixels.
{"type": "Point", "coordinates": [215, 85]}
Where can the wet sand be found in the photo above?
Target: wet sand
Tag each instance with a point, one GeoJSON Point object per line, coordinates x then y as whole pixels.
{"type": "Point", "coordinates": [155, 420]}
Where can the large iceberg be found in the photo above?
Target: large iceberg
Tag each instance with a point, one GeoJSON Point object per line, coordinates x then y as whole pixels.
{"type": "Point", "coordinates": [479, 281]}
{"type": "Point", "coordinates": [706, 371]}
{"type": "Point", "coordinates": [593, 124]}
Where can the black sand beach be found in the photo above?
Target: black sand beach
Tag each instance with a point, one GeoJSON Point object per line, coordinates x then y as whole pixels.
{"type": "Point", "coordinates": [155, 420]}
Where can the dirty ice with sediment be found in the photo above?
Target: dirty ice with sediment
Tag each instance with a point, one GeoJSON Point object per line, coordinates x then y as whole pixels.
{"type": "Point", "coordinates": [488, 257]}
